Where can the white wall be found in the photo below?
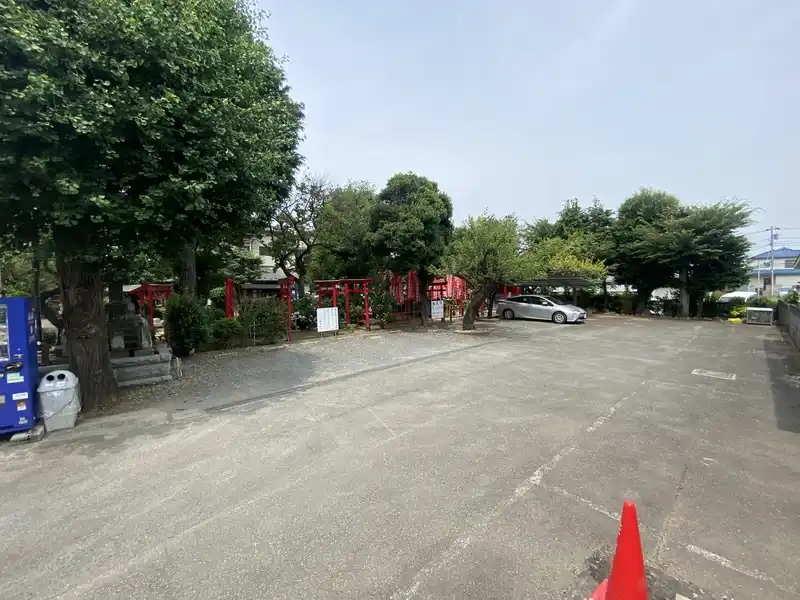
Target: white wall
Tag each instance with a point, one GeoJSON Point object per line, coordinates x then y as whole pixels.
{"type": "Point", "coordinates": [783, 282]}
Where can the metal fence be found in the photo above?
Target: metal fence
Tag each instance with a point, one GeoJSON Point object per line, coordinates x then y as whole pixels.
{"type": "Point", "coordinates": [789, 321]}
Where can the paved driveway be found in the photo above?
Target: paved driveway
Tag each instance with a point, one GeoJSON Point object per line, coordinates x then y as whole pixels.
{"type": "Point", "coordinates": [477, 468]}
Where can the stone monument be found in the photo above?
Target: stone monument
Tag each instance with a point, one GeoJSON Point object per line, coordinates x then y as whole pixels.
{"type": "Point", "coordinates": [129, 334]}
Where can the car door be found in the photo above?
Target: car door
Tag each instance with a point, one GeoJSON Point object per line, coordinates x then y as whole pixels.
{"type": "Point", "coordinates": [540, 308]}
{"type": "Point", "coordinates": [516, 304]}
{"type": "Point", "coordinates": [528, 308]}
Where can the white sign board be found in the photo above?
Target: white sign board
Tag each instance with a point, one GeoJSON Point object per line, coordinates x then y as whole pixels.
{"type": "Point", "coordinates": [437, 309]}
{"type": "Point", "coordinates": [327, 319]}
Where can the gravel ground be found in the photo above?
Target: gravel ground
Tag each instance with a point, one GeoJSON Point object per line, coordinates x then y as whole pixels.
{"type": "Point", "coordinates": [214, 379]}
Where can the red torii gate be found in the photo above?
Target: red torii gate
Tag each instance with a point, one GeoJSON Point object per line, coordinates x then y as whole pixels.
{"type": "Point", "coordinates": [285, 293]}
{"type": "Point", "coordinates": [332, 287]}
{"type": "Point", "coordinates": [146, 293]}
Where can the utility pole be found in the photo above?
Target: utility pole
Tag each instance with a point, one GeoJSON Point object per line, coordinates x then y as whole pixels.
{"type": "Point", "coordinates": [772, 237]}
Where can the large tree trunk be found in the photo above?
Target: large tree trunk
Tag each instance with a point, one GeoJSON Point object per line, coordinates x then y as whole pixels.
{"type": "Point", "coordinates": [473, 306]}
{"type": "Point", "coordinates": [642, 298]}
{"type": "Point", "coordinates": [490, 310]}
{"type": "Point", "coordinates": [700, 299]}
{"type": "Point", "coordinates": [85, 329]}
{"type": "Point", "coordinates": [301, 279]}
{"type": "Point", "coordinates": [605, 295]}
{"type": "Point", "coordinates": [425, 316]}
{"type": "Point", "coordinates": [187, 272]}
{"type": "Point", "coordinates": [423, 279]}
{"type": "Point", "coordinates": [683, 278]}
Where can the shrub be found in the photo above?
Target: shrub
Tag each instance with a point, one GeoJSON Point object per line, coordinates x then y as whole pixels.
{"type": "Point", "coordinates": [763, 302]}
{"type": "Point", "coordinates": [215, 314]}
{"type": "Point", "coordinates": [793, 297]}
{"type": "Point", "coordinates": [186, 324]}
{"type": "Point", "coordinates": [305, 312]}
{"type": "Point", "coordinates": [226, 332]}
{"type": "Point", "coordinates": [382, 304]}
{"type": "Point", "coordinates": [264, 319]}
{"type": "Point", "coordinates": [738, 311]}
{"type": "Point", "coordinates": [217, 296]}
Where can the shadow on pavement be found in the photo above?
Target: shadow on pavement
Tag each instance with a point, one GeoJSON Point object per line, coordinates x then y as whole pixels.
{"type": "Point", "coordinates": [784, 372]}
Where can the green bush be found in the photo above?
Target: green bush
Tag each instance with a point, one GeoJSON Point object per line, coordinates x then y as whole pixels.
{"type": "Point", "coordinates": [217, 296]}
{"type": "Point", "coordinates": [738, 311]}
{"type": "Point", "coordinates": [215, 314]}
{"type": "Point", "coordinates": [227, 333]}
{"type": "Point", "coordinates": [305, 310]}
{"type": "Point", "coordinates": [763, 302]}
{"type": "Point", "coordinates": [264, 319]}
{"type": "Point", "coordinates": [186, 324]}
{"type": "Point", "coordinates": [792, 297]}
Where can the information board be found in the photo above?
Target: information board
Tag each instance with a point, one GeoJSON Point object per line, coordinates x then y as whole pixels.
{"type": "Point", "coordinates": [327, 319]}
{"type": "Point", "coordinates": [437, 309]}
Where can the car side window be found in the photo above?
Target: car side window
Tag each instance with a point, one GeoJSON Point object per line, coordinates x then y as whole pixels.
{"type": "Point", "coordinates": [538, 301]}
{"type": "Point", "coordinates": [532, 300]}
{"type": "Point", "coordinates": [515, 299]}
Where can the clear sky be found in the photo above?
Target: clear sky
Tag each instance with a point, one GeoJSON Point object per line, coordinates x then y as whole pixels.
{"type": "Point", "coordinates": [516, 105]}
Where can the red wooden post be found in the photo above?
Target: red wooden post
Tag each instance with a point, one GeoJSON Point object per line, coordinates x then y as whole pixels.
{"type": "Point", "coordinates": [289, 309]}
{"type": "Point", "coordinates": [347, 303]}
{"type": "Point", "coordinates": [366, 306]}
{"type": "Point", "coordinates": [149, 297]}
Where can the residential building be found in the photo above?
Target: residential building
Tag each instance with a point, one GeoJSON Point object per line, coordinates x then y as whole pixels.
{"type": "Point", "coordinates": [260, 246]}
{"type": "Point", "coordinates": [784, 262]}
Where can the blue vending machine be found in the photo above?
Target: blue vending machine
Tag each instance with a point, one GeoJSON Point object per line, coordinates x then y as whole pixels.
{"type": "Point", "coordinates": [19, 368]}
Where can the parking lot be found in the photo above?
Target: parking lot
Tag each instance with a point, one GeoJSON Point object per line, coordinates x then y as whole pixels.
{"type": "Point", "coordinates": [426, 466]}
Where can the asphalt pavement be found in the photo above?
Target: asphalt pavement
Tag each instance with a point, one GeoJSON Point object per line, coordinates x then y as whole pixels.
{"type": "Point", "coordinates": [430, 466]}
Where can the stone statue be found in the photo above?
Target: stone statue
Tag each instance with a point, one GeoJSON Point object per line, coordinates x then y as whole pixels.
{"type": "Point", "coordinates": [129, 334]}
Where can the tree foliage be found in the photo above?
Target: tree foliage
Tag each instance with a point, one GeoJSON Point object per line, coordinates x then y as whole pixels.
{"type": "Point", "coordinates": [411, 227]}
{"type": "Point", "coordinates": [699, 247]}
{"type": "Point", "coordinates": [564, 257]}
{"type": "Point", "coordinates": [485, 252]}
{"type": "Point", "coordinates": [294, 229]}
{"type": "Point", "coordinates": [136, 124]}
{"type": "Point", "coordinates": [343, 247]}
{"type": "Point", "coordinates": [644, 213]}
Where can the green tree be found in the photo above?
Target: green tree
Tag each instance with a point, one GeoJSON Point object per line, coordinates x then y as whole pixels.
{"type": "Point", "coordinates": [131, 125]}
{"type": "Point", "coordinates": [295, 227]}
{"type": "Point", "coordinates": [701, 247]}
{"type": "Point", "coordinates": [411, 228]}
{"type": "Point", "coordinates": [343, 248]}
{"type": "Point", "coordinates": [563, 257]}
{"type": "Point", "coordinates": [643, 214]}
{"type": "Point", "coordinates": [539, 230]}
{"type": "Point", "coordinates": [485, 252]}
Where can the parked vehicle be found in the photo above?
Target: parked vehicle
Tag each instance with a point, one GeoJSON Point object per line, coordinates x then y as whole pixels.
{"type": "Point", "coordinates": [530, 306]}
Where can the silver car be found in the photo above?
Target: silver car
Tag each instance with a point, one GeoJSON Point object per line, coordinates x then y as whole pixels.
{"type": "Point", "coordinates": [531, 306]}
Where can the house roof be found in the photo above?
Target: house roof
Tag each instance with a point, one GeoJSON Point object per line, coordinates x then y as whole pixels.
{"type": "Point", "coordinates": [778, 253]}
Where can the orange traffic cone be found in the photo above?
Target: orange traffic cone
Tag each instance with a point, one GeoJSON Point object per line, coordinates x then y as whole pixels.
{"type": "Point", "coordinates": [627, 579]}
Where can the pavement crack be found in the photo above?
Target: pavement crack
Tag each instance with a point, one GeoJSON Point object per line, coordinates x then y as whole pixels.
{"type": "Point", "coordinates": [664, 534]}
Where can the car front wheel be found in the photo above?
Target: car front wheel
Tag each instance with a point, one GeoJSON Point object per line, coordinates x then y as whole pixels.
{"type": "Point", "coordinates": [559, 318]}
{"type": "Point", "coordinates": [508, 314]}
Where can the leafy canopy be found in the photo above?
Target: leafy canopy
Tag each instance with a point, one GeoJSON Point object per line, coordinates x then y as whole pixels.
{"type": "Point", "coordinates": [485, 251]}
{"type": "Point", "coordinates": [123, 123]}
{"type": "Point", "coordinates": [343, 230]}
{"type": "Point", "coordinates": [411, 224]}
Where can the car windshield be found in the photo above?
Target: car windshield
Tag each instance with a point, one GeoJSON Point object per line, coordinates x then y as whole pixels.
{"type": "Point", "coordinates": [554, 300]}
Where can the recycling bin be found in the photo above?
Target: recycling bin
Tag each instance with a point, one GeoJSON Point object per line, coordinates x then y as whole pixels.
{"type": "Point", "coordinates": [59, 400]}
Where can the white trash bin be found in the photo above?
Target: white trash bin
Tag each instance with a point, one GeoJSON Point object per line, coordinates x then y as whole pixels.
{"type": "Point", "coordinates": [59, 400]}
